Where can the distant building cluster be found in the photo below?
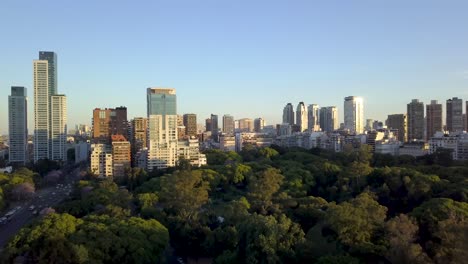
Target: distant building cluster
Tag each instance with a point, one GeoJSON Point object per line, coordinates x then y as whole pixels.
{"type": "Point", "coordinates": [113, 144]}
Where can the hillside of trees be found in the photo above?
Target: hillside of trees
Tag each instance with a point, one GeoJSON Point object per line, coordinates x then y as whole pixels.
{"type": "Point", "coordinates": [267, 205]}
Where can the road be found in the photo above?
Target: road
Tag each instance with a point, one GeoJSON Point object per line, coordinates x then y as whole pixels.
{"type": "Point", "coordinates": [43, 198]}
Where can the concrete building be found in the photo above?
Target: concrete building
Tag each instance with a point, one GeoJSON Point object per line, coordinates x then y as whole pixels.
{"type": "Point", "coordinates": [214, 125]}
{"type": "Point", "coordinates": [454, 114]}
{"type": "Point", "coordinates": [162, 128]}
{"type": "Point", "coordinates": [399, 122]}
{"type": "Point", "coordinates": [101, 160]}
{"type": "Point", "coordinates": [415, 112]}
{"type": "Point", "coordinates": [108, 122]}
{"type": "Point", "coordinates": [414, 149]}
{"type": "Point", "coordinates": [208, 126]}
{"type": "Point", "coordinates": [369, 124]}
{"type": "Point", "coordinates": [139, 130]}
{"type": "Point", "coordinates": [58, 129]}
{"type": "Point", "coordinates": [227, 142]}
{"type": "Point", "coordinates": [433, 118]}
{"type": "Point", "coordinates": [18, 125]}
{"type": "Point", "coordinates": [82, 151]}
{"type": "Point", "coordinates": [41, 109]}
{"type": "Point", "coordinates": [288, 114]}
{"type": "Point", "coordinates": [388, 146]}
{"type": "Point", "coordinates": [180, 127]}
{"type": "Point", "coordinates": [354, 114]}
{"type": "Point", "coordinates": [283, 130]}
{"type": "Point", "coordinates": [190, 123]}
{"type": "Point", "coordinates": [259, 124]}
{"type": "Point", "coordinates": [329, 118]}
{"type": "Point", "coordinates": [313, 118]}
{"type": "Point", "coordinates": [189, 149]}
{"type": "Point", "coordinates": [121, 157]}
{"type": "Point", "coordinates": [259, 140]}
{"type": "Point", "coordinates": [301, 117]}
{"type": "Point", "coordinates": [228, 124]}
{"type": "Point", "coordinates": [246, 125]}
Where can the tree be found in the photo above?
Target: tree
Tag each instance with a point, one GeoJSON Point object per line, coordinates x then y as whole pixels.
{"type": "Point", "coordinates": [357, 221]}
{"type": "Point", "coordinates": [184, 193]}
{"type": "Point", "coordinates": [266, 239]}
{"type": "Point", "coordinates": [401, 233]}
{"type": "Point", "coordinates": [262, 186]}
{"type": "Point", "coordinates": [453, 236]}
{"type": "Point", "coordinates": [23, 191]}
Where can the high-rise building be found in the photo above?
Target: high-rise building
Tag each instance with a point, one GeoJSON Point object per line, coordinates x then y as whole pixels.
{"type": "Point", "coordinates": [301, 117]}
{"type": "Point", "coordinates": [313, 117]}
{"type": "Point", "coordinates": [58, 129]}
{"type": "Point", "coordinates": [51, 58]}
{"type": "Point", "coordinates": [466, 115]}
{"type": "Point", "coordinates": [162, 128]}
{"type": "Point", "coordinates": [101, 160]}
{"type": "Point", "coordinates": [354, 114]}
{"type": "Point", "coordinates": [139, 129]}
{"type": "Point", "coordinates": [415, 112]}
{"type": "Point", "coordinates": [108, 122]}
{"type": "Point", "coordinates": [259, 124]}
{"type": "Point", "coordinates": [41, 109]}
{"type": "Point", "coordinates": [214, 124]}
{"type": "Point", "coordinates": [329, 118]}
{"type": "Point", "coordinates": [454, 114]}
{"type": "Point", "coordinates": [50, 116]}
{"type": "Point", "coordinates": [288, 114]}
{"type": "Point", "coordinates": [121, 157]}
{"type": "Point", "coordinates": [190, 123]}
{"type": "Point", "coordinates": [400, 123]}
{"type": "Point", "coordinates": [18, 125]}
{"type": "Point", "coordinates": [369, 124]}
{"type": "Point", "coordinates": [433, 118]}
{"type": "Point", "coordinates": [228, 124]}
{"type": "Point", "coordinates": [180, 127]}
{"type": "Point", "coordinates": [246, 125]}
{"type": "Point", "coordinates": [208, 126]}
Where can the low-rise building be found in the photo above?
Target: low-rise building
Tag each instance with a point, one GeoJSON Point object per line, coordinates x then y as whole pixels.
{"type": "Point", "coordinates": [101, 160]}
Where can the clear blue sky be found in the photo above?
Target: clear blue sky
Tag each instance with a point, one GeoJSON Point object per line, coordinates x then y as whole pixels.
{"type": "Point", "coordinates": [245, 58]}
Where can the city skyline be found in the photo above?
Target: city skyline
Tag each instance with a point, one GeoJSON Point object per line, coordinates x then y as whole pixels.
{"type": "Point", "coordinates": [395, 63]}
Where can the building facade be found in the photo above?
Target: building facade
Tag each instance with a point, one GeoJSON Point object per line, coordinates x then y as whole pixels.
{"type": "Point", "coordinates": [101, 160]}
{"type": "Point", "coordinates": [18, 125]}
{"type": "Point", "coordinates": [58, 129]}
{"type": "Point", "coordinates": [354, 114]}
{"type": "Point", "coordinates": [108, 122]}
{"type": "Point", "coordinates": [329, 118]}
{"type": "Point", "coordinates": [415, 112]}
{"type": "Point", "coordinates": [454, 114]}
{"type": "Point", "coordinates": [162, 128]}
{"type": "Point", "coordinates": [228, 124]}
{"type": "Point", "coordinates": [121, 157]}
{"type": "Point", "coordinates": [190, 123]}
{"type": "Point", "coordinates": [41, 109]}
{"type": "Point", "coordinates": [288, 114]}
{"type": "Point", "coordinates": [313, 117]}
{"type": "Point", "coordinates": [259, 124]}
{"type": "Point", "coordinates": [433, 118]}
{"type": "Point", "coordinates": [399, 122]}
{"type": "Point", "coordinates": [301, 117]}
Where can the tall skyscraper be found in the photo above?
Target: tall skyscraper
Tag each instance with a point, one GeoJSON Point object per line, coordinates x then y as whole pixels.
{"type": "Point", "coordinates": [41, 109]}
{"type": "Point", "coordinates": [162, 128]}
{"type": "Point", "coordinates": [313, 117]}
{"type": "Point", "coordinates": [208, 126]}
{"type": "Point", "coordinates": [50, 115]}
{"type": "Point", "coordinates": [190, 123]}
{"type": "Point", "coordinates": [301, 117]}
{"type": "Point", "coordinates": [399, 122]}
{"type": "Point", "coordinates": [415, 111]}
{"type": "Point", "coordinates": [228, 124]}
{"type": "Point", "coordinates": [18, 125]}
{"type": "Point", "coordinates": [259, 124]}
{"type": "Point", "coordinates": [466, 115]}
{"type": "Point", "coordinates": [454, 114]}
{"type": "Point", "coordinates": [108, 122]}
{"type": "Point", "coordinates": [433, 118]}
{"type": "Point", "coordinates": [288, 114]}
{"type": "Point", "coordinates": [139, 129]}
{"type": "Point", "coordinates": [246, 125]}
{"type": "Point", "coordinates": [329, 118]}
{"type": "Point", "coordinates": [214, 124]}
{"type": "Point", "coordinates": [354, 114]}
{"type": "Point", "coordinates": [58, 129]}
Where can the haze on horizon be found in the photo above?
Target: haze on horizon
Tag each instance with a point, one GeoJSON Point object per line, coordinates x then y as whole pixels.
{"type": "Point", "coordinates": [243, 58]}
